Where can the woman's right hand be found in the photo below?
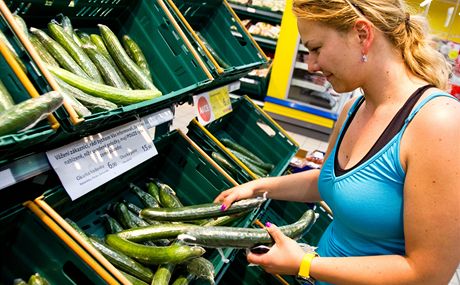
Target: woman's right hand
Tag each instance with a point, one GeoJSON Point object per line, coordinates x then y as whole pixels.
{"type": "Point", "coordinates": [240, 192]}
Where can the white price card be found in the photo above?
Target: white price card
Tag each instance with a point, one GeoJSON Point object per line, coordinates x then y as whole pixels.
{"type": "Point", "coordinates": [93, 160]}
{"type": "Point", "coordinates": [212, 105]}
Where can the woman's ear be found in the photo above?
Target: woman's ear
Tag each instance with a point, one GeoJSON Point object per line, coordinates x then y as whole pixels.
{"type": "Point", "coordinates": [365, 32]}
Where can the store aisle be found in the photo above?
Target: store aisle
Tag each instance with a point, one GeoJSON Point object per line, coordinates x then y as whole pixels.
{"type": "Point", "coordinates": [185, 113]}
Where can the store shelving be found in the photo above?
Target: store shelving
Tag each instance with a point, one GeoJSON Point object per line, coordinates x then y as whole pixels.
{"type": "Point", "coordinates": [257, 13]}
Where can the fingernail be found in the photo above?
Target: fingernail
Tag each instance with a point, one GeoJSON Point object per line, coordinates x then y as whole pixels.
{"type": "Point", "coordinates": [268, 224]}
{"type": "Point", "coordinates": [223, 207]}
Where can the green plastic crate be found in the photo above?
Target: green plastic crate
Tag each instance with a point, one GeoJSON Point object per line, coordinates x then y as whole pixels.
{"type": "Point", "coordinates": [177, 164]}
{"type": "Point", "coordinates": [252, 128]}
{"type": "Point", "coordinates": [28, 246]}
{"type": "Point", "coordinates": [14, 145]}
{"type": "Point", "coordinates": [174, 69]}
{"type": "Point", "coordinates": [222, 29]}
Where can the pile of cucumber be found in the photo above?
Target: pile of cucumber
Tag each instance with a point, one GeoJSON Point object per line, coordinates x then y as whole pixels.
{"type": "Point", "coordinates": [252, 161]}
{"type": "Point", "coordinates": [95, 72]}
{"type": "Point", "coordinates": [163, 241]}
{"type": "Point", "coordinates": [35, 279]}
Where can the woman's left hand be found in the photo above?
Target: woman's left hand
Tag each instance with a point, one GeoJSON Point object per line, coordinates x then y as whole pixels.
{"type": "Point", "coordinates": [284, 257]}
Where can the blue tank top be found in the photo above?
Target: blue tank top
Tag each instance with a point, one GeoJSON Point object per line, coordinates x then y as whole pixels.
{"type": "Point", "coordinates": [367, 201]}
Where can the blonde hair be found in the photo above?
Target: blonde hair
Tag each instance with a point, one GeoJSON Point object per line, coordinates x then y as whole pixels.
{"type": "Point", "coordinates": [407, 33]}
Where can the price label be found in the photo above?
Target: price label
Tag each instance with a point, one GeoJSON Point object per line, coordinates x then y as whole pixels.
{"type": "Point", "coordinates": [212, 105]}
{"type": "Point", "coordinates": [251, 10]}
{"type": "Point", "coordinates": [157, 118]}
{"type": "Point", "coordinates": [93, 160]}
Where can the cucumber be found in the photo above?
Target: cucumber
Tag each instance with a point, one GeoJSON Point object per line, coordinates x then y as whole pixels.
{"type": "Point", "coordinates": [123, 215]}
{"type": "Point", "coordinates": [100, 45]}
{"type": "Point", "coordinates": [201, 211]}
{"type": "Point", "coordinates": [42, 51]}
{"type": "Point", "coordinates": [163, 274]}
{"type": "Point", "coordinates": [67, 42]}
{"type": "Point", "coordinates": [59, 53]}
{"type": "Point", "coordinates": [133, 280]}
{"type": "Point", "coordinates": [239, 148]}
{"type": "Point", "coordinates": [123, 262]}
{"type": "Point", "coordinates": [29, 112]}
{"type": "Point", "coordinates": [146, 199]}
{"type": "Point", "coordinates": [183, 279]}
{"type": "Point", "coordinates": [6, 101]}
{"type": "Point", "coordinates": [79, 108]}
{"type": "Point", "coordinates": [22, 24]}
{"type": "Point", "coordinates": [264, 166]}
{"type": "Point", "coordinates": [168, 198]}
{"type": "Point", "coordinates": [133, 73]}
{"type": "Point", "coordinates": [225, 220]}
{"type": "Point", "coordinates": [137, 210]}
{"type": "Point", "coordinates": [249, 163]}
{"type": "Point", "coordinates": [19, 281]}
{"type": "Point", "coordinates": [78, 229]}
{"type": "Point", "coordinates": [115, 95]}
{"type": "Point", "coordinates": [94, 104]}
{"type": "Point", "coordinates": [155, 232]}
{"type": "Point", "coordinates": [135, 53]}
{"type": "Point", "coordinates": [37, 279]}
{"type": "Point", "coordinates": [244, 237]}
{"type": "Point", "coordinates": [12, 51]}
{"type": "Point", "coordinates": [154, 190]}
{"type": "Point", "coordinates": [107, 71]}
{"type": "Point", "coordinates": [201, 268]}
{"type": "Point", "coordinates": [112, 226]}
{"type": "Point", "coordinates": [224, 163]}
{"type": "Point", "coordinates": [154, 254]}
{"type": "Point", "coordinates": [214, 54]}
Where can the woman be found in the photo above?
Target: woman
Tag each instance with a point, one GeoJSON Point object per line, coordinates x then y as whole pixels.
{"type": "Point", "coordinates": [392, 169]}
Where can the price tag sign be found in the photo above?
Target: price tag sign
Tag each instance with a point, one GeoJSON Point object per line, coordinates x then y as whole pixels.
{"type": "Point", "coordinates": [93, 160]}
{"type": "Point", "coordinates": [212, 105]}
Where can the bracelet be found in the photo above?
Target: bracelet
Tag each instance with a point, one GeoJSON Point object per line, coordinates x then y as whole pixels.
{"type": "Point", "coordinates": [304, 270]}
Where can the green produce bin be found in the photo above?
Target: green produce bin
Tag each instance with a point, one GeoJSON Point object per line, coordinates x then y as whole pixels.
{"type": "Point", "coordinates": [235, 51]}
{"type": "Point", "coordinates": [251, 127]}
{"type": "Point", "coordinates": [175, 68]}
{"type": "Point", "coordinates": [29, 245]}
{"type": "Point", "coordinates": [178, 164]}
{"type": "Point", "coordinates": [14, 145]}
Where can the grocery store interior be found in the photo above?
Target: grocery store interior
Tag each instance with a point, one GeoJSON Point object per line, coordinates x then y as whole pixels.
{"type": "Point", "coordinates": [121, 122]}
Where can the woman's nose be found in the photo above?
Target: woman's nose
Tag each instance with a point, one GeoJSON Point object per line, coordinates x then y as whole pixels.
{"type": "Point", "coordinates": [313, 66]}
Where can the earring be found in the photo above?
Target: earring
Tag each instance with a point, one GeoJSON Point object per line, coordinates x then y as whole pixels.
{"type": "Point", "coordinates": [364, 58]}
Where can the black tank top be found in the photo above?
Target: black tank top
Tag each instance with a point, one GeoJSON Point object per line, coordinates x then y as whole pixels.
{"type": "Point", "coordinates": [390, 131]}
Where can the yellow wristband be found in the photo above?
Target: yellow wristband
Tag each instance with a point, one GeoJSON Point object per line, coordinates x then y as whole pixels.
{"type": "Point", "coordinates": [304, 270]}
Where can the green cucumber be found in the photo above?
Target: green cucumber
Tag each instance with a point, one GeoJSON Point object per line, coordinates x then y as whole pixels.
{"type": "Point", "coordinates": [154, 190]}
{"type": "Point", "coordinates": [79, 108]}
{"type": "Point", "coordinates": [112, 226]}
{"type": "Point", "coordinates": [133, 280]}
{"type": "Point", "coordinates": [154, 254]}
{"type": "Point", "coordinates": [37, 279]}
{"type": "Point", "coordinates": [94, 104]}
{"type": "Point", "coordinates": [146, 199]}
{"type": "Point", "coordinates": [115, 95]}
{"type": "Point", "coordinates": [183, 279]}
{"type": "Point", "coordinates": [214, 54]}
{"type": "Point", "coordinates": [155, 232]}
{"type": "Point", "coordinates": [136, 54]}
{"type": "Point", "coordinates": [59, 53]}
{"type": "Point", "coordinates": [42, 51]}
{"type": "Point", "coordinates": [19, 281]}
{"type": "Point", "coordinates": [249, 163]}
{"type": "Point", "coordinates": [133, 73]}
{"type": "Point", "coordinates": [100, 45]}
{"type": "Point", "coordinates": [225, 220]}
{"type": "Point", "coordinates": [137, 210]}
{"type": "Point", "coordinates": [168, 198]}
{"type": "Point", "coordinates": [224, 163]}
{"type": "Point", "coordinates": [239, 148]}
{"type": "Point", "coordinates": [163, 274]}
{"type": "Point", "coordinates": [106, 69]}
{"type": "Point", "coordinates": [123, 262]}
{"type": "Point", "coordinates": [67, 42]}
{"type": "Point", "coordinates": [6, 101]}
{"type": "Point", "coordinates": [27, 113]}
{"type": "Point", "coordinates": [200, 211]}
{"type": "Point", "coordinates": [22, 24]}
{"type": "Point", "coordinates": [123, 215]}
{"type": "Point", "coordinates": [244, 237]}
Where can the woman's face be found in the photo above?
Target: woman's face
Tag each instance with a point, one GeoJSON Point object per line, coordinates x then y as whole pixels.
{"type": "Point", "coordinates": [337, 55]}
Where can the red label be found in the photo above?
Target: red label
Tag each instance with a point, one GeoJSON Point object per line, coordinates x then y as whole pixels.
{"type": "Point", "coordinates": [204, 109]}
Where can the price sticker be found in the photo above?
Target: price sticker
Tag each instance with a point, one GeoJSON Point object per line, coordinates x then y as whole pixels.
{"type": "Point", "coordinates": [212, 105]}
{"type": "Point", "coordinates": [93, 160]}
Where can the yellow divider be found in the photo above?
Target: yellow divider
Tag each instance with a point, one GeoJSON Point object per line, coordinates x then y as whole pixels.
{"type": "Point", "coordinates": [71, 243]}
